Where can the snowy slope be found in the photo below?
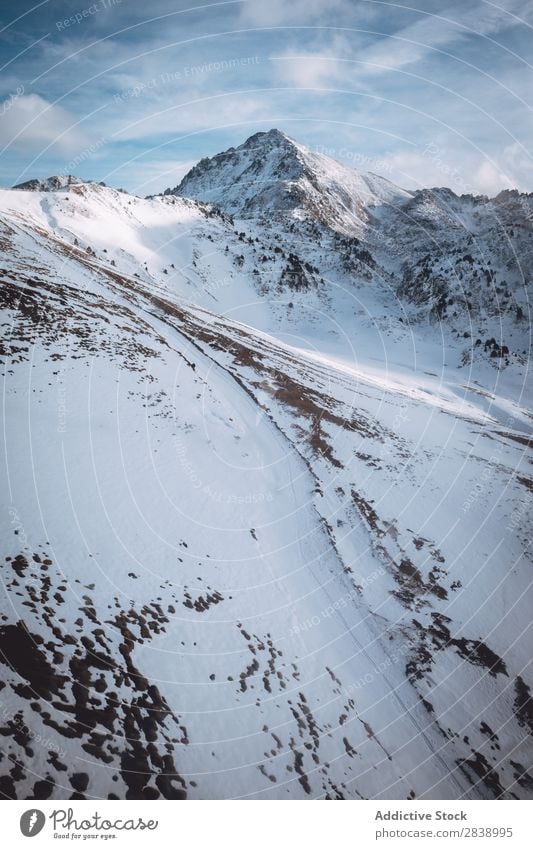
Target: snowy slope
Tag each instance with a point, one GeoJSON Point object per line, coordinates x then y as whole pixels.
{"type": "Point", "coordinates": [263, 537]}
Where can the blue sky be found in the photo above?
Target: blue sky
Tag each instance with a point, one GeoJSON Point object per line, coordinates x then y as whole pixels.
{"type": "Point", "coordinates": [133, 93]}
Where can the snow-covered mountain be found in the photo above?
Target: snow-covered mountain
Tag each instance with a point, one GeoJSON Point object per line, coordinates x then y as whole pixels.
{"type": "Point", "coordinates": [267, 508]}
{"type": "Point", "coordinates": [465, 259]}
{"type": "Point", "coordinates": [271, 174]}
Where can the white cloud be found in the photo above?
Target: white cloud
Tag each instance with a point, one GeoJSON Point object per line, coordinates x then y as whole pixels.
{"type": "Point", "coordinates": [490, 179]}
{"type": "Point", "coordinates": [29, 121]}
{"type": "Point", "coordinates": [146, 177]}
{"type": "Point", "coordinates": [204, 113]}
{"type": "Point", "coordinates": [321, 65]}
{"type": "Point", "coordinates": [434, 167]}
{"type": "Point", "coordinates": [307, 70]}
{"type": "Point", "coordinates": [519, 164]}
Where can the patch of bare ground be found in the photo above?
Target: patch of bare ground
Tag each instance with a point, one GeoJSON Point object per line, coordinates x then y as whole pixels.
{"type": "Point", "coordinates": [523, 704]}
{"type": "Point", "coordinates": [85, 686]}
{"type": "Point", "coordinates": [437, 637]}
{"type": "Point", "coordinates": [478, 769]}
{"type": "Point", "coordinates": [527, 482]}
{"type": "Point", "coordinates": [414, 589]}
{"type": "Point", "coordinates": [517, 437]}
{"type": "Point", "coordinates": [58, 316]}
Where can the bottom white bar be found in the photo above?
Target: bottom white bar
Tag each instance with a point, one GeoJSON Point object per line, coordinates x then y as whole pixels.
{"type": "Point", "coordinates": [262, 825]}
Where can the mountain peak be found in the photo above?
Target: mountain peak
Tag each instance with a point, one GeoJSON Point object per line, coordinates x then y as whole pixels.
{"type": "Point", "coordinates": [274, 137]}
{"type": "Point", "coordinates": [271, 174]}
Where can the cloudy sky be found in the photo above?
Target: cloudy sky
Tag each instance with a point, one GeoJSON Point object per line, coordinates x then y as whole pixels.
{"type": "Point", "coordinates": [131, 92]}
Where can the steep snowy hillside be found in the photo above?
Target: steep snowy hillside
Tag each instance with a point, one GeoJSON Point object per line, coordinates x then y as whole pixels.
{"type": "Point", "coordinates": [265, 529]}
